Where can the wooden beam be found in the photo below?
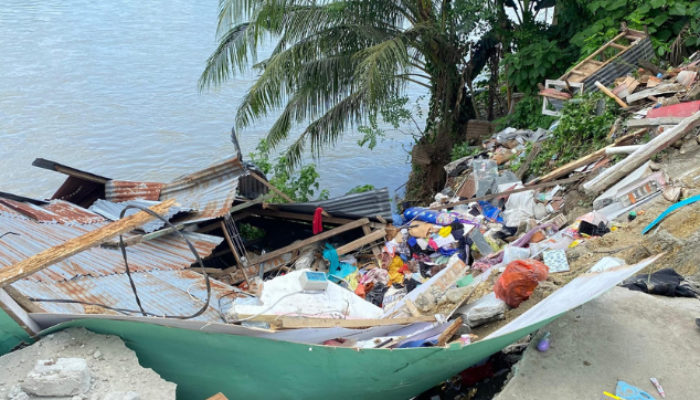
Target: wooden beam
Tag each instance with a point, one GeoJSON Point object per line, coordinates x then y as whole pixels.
{"type": "Point", "coordinates": [570, 167]}
{"type": "Point", "coordinates": [449, 332]}
{"type": "Point", "coordinates": [313, 239]}
{"type": "Point", "coordinates": [22, 300]}
{"type": "Point", "coordinates": [234, 251]}
{"type": "Point", "coordinates": [655, 91]}
{"type": "Point", "coordinates": [618, 171]}
{"type": "Point", "coordinates": [81, 243]}
{"type": "Point", "coordinates": [250, 203]}
{"type": "Point", "coordinates": [365, 240]}
{"type": "Point", "coordinates": [508, 193]}
{"type": "Point", "coordinates": [411, 306]}
{"type": "Point", "coordinates": [610, 94]}
{"type": "Point", "coordinates": [525, 166]}
{"type": "Point", "coordinates": [18, 314]}
{"type": "Point", "coordinates": [274, 189]}
{"type": "Point", "coordinates": [377, 253]}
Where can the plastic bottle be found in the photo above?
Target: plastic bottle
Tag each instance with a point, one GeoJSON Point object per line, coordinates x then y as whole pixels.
{"type": "Point", "coordinates": [543, 345]}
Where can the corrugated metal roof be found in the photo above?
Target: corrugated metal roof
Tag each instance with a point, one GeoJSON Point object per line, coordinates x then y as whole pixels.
{"type": "Point", "coordinates": [209, 192]}
{"type": "Point", "coordinates": [161, 292]}
{"type": "Point", "coordinates": [248, 186]}
{"type": "Point", "coordinates": [118, 191]}
{"type": "Point", "coordinates": [57, 211]}
{"type": "Point", "coordinates": [112, 211]}
{"type": "Point", "coordinates": [356, 205]}
{"type": "Point", "coordinates": [626, 63]}
{"type": "Point", "coordinates": [165, 253]}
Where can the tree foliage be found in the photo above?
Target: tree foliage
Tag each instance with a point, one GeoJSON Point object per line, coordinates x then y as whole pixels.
{"type": "Point", "coordinates": [337, 63]}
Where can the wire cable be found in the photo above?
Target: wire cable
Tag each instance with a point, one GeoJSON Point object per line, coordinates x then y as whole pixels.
{"type": "Point", "coordinates": [122, 247]}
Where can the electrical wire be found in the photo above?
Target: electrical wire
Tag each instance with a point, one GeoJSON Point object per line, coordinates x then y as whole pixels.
{"type": "Point", "coordinates": [122, 247]}
{"type": "Point", "coordinates": [274, 304]}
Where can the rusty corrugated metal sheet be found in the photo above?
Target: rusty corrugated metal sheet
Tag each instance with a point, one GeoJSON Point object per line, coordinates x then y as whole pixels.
{"type": "Point", "coordinates": [209, 193]}
{"type": "Point", "coordinates": [112, 211]}
{"type": "Point", "coordinates": [172, 293]}
{"type": "Point", "coordinates": [626, 63]}
{"type": "Point", "coordinates": [118, 191]}
{"type": "Point", "coordinates": [57, 211]}
{"type": "Point", "coordinates": [165, 253]}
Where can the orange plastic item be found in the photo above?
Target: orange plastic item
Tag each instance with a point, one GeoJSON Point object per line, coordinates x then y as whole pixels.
{"type": "Point", "coordinates": [519, 280]}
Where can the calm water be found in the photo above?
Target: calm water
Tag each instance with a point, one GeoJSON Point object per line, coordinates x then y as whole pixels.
{"type": "Point", "coordinates": [111, 87]}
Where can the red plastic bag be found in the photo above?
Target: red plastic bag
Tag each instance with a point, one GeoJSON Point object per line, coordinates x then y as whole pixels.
{"type": "Point", "coordinates": [519, 280]}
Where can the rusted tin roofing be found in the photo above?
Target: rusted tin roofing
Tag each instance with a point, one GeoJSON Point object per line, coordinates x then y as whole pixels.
{"type": "Point", "coordinates": [57, 211]}
{"type": "Point", "coordinates": [112, 211]}
{"type": "Point", "coordinates": [118, 191]}
{"type": "Point", "coordinates": [209, 193]}
{"type": "Point", "coordinates": [175, 293]}
{"type": "Point", "coordinates": [165, 253]}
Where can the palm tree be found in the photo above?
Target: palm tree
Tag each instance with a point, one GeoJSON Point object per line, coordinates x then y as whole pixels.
{"type": "Point", "coordinates": [337, 62]}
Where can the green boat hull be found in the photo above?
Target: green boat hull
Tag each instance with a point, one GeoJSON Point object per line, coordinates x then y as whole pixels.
{"type": "Point", "coordinates": [241, 367]}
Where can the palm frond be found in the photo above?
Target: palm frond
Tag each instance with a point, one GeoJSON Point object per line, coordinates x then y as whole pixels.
{"type": "Point", "coordinates": [231, 53]}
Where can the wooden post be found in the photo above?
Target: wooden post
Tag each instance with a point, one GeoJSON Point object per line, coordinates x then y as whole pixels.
{"type": "Point", "coordinates": [240, 263]}
{"type": "Point", "coordinates": [76, 245]}
{"type": "Point", "coordinates": [377, 253]}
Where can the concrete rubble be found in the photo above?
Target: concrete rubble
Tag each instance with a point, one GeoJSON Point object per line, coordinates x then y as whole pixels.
{"type": "Point", "coordinates": [76, 364]}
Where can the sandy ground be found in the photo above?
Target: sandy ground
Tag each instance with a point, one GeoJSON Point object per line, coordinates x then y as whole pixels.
{"type": "Point", "coordinates": [114, 367]}
{"type": "Point", "coordinates": [622, 335]}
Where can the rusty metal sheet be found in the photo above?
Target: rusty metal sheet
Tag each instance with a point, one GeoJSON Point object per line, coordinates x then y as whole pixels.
{"type": "Point", "coordinates": [175, 293]}
{"type": "Point", "coordinates": [118, 191]}
{"type": "Point", "coordinates": [165, 253]}
{"type": "Point", "coordinates": [355, 205]}
{"type": "Point", "coordinates": [57, 211]}
{"type": "Point", "coordinates": [209, 193]}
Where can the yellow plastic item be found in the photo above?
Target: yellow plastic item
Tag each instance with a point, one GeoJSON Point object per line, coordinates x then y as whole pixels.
{"type": "Point", "coordinates": [608, 395]}
{"type": "Point", "coordinates": [575, 243]}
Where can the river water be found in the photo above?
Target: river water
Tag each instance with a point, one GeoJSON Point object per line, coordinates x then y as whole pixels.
{"type": "Point", "coordinates": [111, 87]}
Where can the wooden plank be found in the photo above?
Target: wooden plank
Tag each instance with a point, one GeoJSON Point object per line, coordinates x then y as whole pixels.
{"type": "Point", "coordinates": [274, 189]}
{"type": "Point", "coordinates": [658, 90]}
{"type": "Point", "coordinates": [618, 46]}
{"type": "Point", "coordinates": [17, 313]}
{"type": "Point", "coordinates": [81, 243]}
{"type": "Point", "coordinates": [377, 253]}
{"type": "Point", "coordinates": [449, 332]}
{"type": "Point", "coordinates": [651, 67]}
{"type": "Point", "coordinates": [356, 244]}
{"type": "Point", "coordinates": [637, 123]}
{"type": "Point", "coordinates": [618, 171]}
{"type": "Point", "coordinates": [508, 193]}
{"type": "Point", "coordinates": [298, 216]}
{"type": "Point", "coordinates": [411, 306]}
{"type": "Point", "coordinates": [234, 251]}
{"type": "Point", "coordinates": [22, 300]}
{"type": "Point", "coordinates": [250, 203]}
{"type": "Point", "coordinates": [570, 167]}
{"type": "Point", "coordinates": [525, 166]}
{"type": "Point", "coordinates": [218, 396]}
{"type": "Point", "coordinates": [307, 322]}
{"type": "Point", "coordinates": [313, 239]}
{"type": "Point", "coordinates": [610, 94]}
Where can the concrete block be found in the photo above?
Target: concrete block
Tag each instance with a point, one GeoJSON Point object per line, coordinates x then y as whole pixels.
{"type": "Point", "coordinates": [61, 378]}
{"type": "Point", "coordinates": [486, 309]}
{"type": "Point", "coordinates": [122, 396]}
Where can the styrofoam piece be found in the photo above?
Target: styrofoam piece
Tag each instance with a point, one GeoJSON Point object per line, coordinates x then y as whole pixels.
{"type": "Point", "coordinates": [606, 263]}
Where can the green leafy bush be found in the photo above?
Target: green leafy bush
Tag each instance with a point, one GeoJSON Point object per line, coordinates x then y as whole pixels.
{"type": "Point", "coordinates": [580, 132]}
{"type": "Point", "coordinates": [527, 115]}
{"type": "Point", "coordinates": [300, 185]}
{"type": "Point", "coordinates": [361, 189]}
